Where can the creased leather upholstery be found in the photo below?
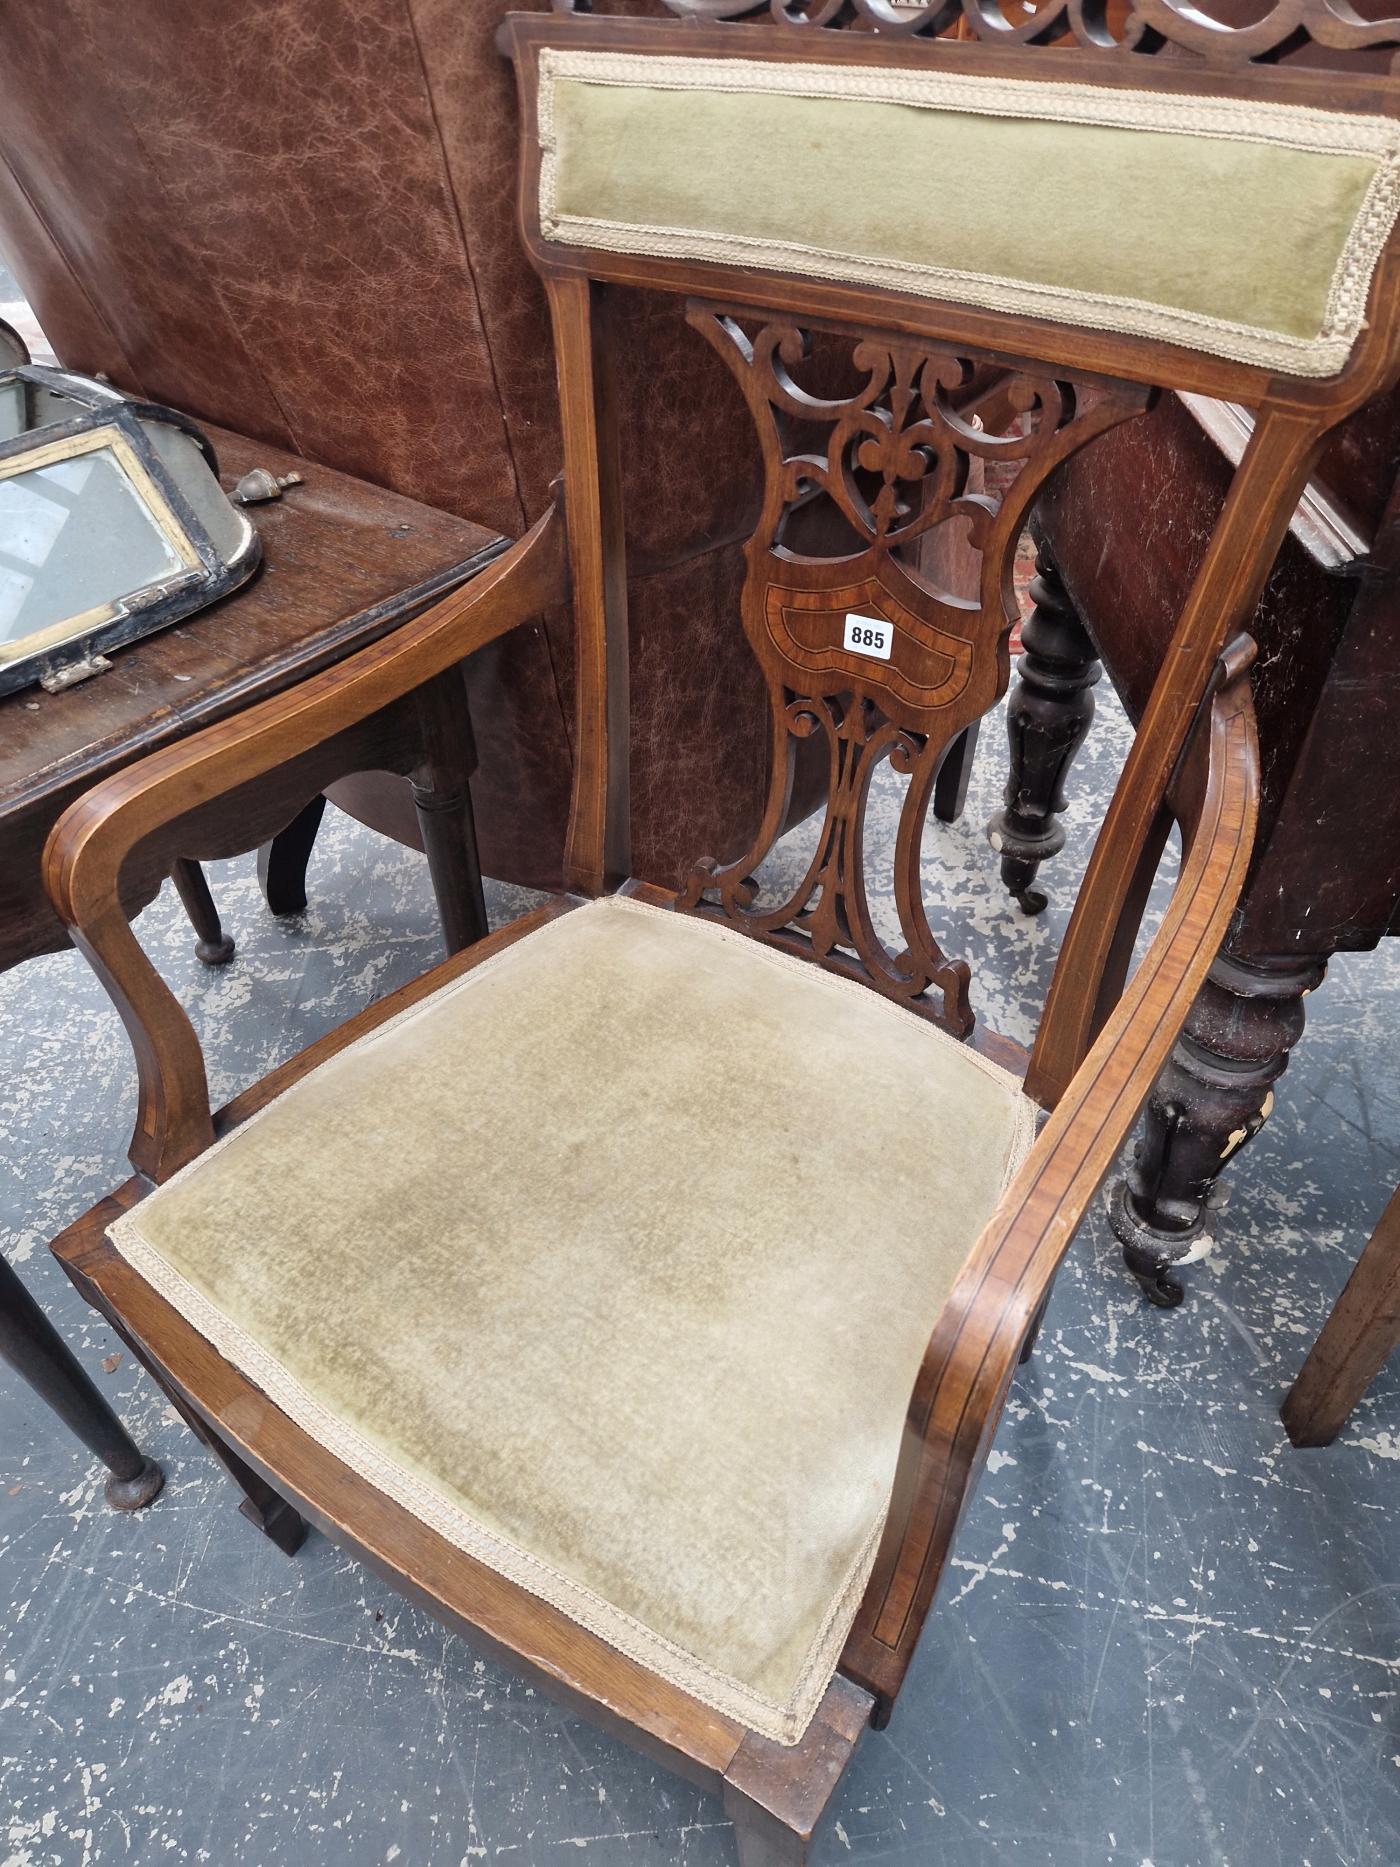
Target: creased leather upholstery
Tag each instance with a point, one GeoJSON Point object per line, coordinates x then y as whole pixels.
{"type": "Point", "coordinates": [296, 219]}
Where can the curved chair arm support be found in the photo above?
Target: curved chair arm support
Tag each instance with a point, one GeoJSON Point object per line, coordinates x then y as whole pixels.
{"type": "Point", "coordinates": [973, 1353]}
{"type": "Point", "coordinates": [95, 835]}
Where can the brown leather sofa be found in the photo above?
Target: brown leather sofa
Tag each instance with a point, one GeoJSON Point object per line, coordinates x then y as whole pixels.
{"type": "Point", "coordinates": [296, 219]}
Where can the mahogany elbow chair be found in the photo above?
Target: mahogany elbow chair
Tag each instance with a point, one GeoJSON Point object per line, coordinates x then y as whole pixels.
{"type": "Point", "coordinates": [642, 1286]}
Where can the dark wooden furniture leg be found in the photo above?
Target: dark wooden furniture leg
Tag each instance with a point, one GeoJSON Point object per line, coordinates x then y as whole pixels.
{"type": "Point", "coordinates": [213, 946]}
{"type": "Point", "coordinates": [35, 1350]}
{"type": "Point", "coordinates": [1354, 1341]}
{"type": "Point", "coordinates": [950, 786]}
{"type": "Point", "coordinates": [267, 1510]}
{"type": "Point", "coordinates": [262, 1506]}
{"type": "Point", "coordinates": [443, 799]}
{"type": "Point", "coordinates": [1215, 1094]}
{"type": "Point", "coordinates": [282, 861]}
{"type": "Point", "coordinates": [1047, 720]}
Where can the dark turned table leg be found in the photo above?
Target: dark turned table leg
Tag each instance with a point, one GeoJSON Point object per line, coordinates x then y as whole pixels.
{"type": "Point", "coordinates": [1214, 1095]}
{"type": "Point", "coordinates": [267, 1510]}
{"type": "Point", "coordinates": [442, 799]}
{"type": "Point", "coordinates": [1047, 720]}
{"type": "Point", "coordinates": [35, 1350]}
{"type": "Point", "coordinates": [282, 862]}
{"type": "Point", "coordinates": [950, 786]}
{"type": "Point", "coordinates": [442, 796]}
{"type": "Point", "coordinates": [213, 946]}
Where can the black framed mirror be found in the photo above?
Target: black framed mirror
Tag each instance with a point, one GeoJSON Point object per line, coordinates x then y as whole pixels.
{"type": "Point", "coordinates": [112, 522]}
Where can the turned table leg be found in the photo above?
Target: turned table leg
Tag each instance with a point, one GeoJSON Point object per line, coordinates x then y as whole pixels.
{"type": "Point", "coordinates": [282, 861]}
{"type": "Point", "coordinates": [1214, 1095]}
{"type": "Point", "coordinates": [1355, 1340]}
{"type": "Point", "coordinates": [267, 1510]}
{"type": "Point", "coordinates": [39, 1355]}
{"type": "Point", "coordinates": [442, 796]}
{"type": "Point", "coordinates": [213, 945]}
{"type": "Point", "coordinates": [1047, 720]}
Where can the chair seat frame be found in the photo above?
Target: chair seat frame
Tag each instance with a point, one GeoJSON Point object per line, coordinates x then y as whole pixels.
{"type": "Point", "coordinates": [1101, 1044]}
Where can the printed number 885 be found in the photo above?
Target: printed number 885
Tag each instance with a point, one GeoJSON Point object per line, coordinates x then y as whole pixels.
{"type": "Point", "coordinates": [868, 635]}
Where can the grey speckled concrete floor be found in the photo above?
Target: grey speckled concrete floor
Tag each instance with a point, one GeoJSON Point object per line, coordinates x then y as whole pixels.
{"type": "Point", "coordinates": [1166, 1637]}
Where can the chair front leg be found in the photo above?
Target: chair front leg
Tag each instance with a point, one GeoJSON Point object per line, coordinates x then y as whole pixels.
{"type": "Point", "coordinates": [775, 1793]}
{"type": "Point", "coordinates": [1355, 1341]}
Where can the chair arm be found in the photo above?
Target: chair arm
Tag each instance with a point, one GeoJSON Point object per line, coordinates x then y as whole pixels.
{"type": "Point", "coordinates": [93, 838]}
{"type": "Point", "coordinates": [972, 1355]}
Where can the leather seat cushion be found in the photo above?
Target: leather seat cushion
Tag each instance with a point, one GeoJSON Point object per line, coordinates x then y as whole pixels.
{"type": "Point", "coordinates": [615, 1260]}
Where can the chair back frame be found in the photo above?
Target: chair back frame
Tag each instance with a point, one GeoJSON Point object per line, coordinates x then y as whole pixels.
{"type": "Point", "coordinates": [948, 664]}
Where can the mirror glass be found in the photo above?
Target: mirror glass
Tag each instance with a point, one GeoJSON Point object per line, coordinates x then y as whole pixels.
{"type": "Point", "coordinates": [74, 536]}
{"type": "Point", "coordinates": [12, 413]}
{"type": "Point", "coordinates": [26, 406]}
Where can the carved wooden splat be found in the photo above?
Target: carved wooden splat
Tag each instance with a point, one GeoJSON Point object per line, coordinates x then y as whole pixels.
{"type": "Point", "coordinates": [857, 644]}
{"type": "Point", "coordinates": [1096, 25]}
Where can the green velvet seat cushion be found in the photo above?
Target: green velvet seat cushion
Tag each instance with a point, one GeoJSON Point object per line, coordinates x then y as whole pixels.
{"type": "Point", "coordinates": [615, 1261]}
{"type": "Point", "coordinates": [1242, 228]}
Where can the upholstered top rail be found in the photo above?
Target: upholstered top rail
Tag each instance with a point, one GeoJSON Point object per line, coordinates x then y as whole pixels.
{"type": "Point", "coordinates": [1247, 230]}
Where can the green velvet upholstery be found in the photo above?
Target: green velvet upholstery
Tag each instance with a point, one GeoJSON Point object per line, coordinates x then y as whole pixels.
{"type": "Point", "coordinates": [615, 1261]}
{"type": "Point", "coordinates": [1248, 230]}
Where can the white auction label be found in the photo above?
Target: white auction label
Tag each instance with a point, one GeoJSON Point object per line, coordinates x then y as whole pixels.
{"type": "Point", "coordinates": [869, 635]}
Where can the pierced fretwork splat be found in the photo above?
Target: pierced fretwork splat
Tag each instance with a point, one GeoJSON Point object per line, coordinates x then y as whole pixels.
{"type": "Point", "coordinates": [1126, 29]}
{"type": "Point", "coordinates": [856, 639]}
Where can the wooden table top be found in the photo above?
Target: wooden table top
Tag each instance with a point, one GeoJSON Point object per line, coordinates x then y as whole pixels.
{"type": "Point", "coordinates": [343, 563]}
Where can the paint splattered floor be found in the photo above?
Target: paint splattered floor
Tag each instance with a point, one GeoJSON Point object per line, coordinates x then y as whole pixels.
{"type": "Point", "coordinates": [1167, 1638]}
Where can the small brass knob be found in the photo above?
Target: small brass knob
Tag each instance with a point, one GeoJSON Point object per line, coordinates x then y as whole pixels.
{"type": "Point", "coordinates": [258, 485]}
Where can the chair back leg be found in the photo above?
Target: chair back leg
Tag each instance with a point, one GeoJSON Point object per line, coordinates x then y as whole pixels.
{"type": "Point", "coordinates": [1354, 1341]}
